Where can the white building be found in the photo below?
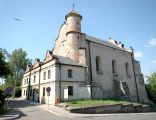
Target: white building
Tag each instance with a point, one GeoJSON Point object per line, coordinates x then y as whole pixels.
{"type": "Point", "coordinates": [84, 67]}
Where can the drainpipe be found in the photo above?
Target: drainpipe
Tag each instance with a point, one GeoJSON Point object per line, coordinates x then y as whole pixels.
{"type": "Point", "coordinates": [39, 84]}
{"type": "Point", "coordinates": [91, 77]}
{"type": "Point", "coordinates": [135, 74]}
{"type": "Point", "coordinates": [29, 85]}
{"type": "Point", "coordinates": [60, 82]}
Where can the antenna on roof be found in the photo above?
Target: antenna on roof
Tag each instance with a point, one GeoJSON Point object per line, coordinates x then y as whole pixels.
{"type": "Point", "coordinates": [73, 6]}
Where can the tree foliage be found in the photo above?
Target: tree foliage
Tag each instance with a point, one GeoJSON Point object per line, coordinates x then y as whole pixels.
{"type": "Point", "coordinates": [151, 87]}
{"type": "Point", "coordinates": [14, 68]}
{"type": "Point", "coordinates": [4, 68]}
{"type": "Point", "coordinates": [18, 62]}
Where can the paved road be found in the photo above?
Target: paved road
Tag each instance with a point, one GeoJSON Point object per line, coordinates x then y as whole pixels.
{"type": "Point", "coordinates": [35, 112]}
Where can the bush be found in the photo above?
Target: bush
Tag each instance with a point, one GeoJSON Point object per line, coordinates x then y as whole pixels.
{"type": "Point", "coordinates": [18, 91]}
{"type": "Point", "coordinates": [2, 98]}
{"type": "Point", "coordinates": [3, 111]}
{"type": "Point", "coordinates": [151, 87]}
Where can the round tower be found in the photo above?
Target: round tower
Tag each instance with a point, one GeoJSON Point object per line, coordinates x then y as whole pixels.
{"type": "Point", "coordinates": [73, 20]}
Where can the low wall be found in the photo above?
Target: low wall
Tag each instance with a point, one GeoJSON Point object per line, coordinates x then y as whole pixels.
{"type": "Point", "coordinates": [117, 108]}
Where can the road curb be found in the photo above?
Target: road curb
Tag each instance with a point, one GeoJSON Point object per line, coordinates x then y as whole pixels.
{"type": "Point", "coordinates": [12, 115]}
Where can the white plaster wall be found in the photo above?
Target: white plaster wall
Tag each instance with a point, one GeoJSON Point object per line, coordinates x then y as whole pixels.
{"type": "Point", "coordinates": [105, 79]}
{"type": "Point", "coordinates": [26, 75]}
{"type": "Point", "coordinates": [24, 96]}
{"type": "Point", "coordinates": [45, 68]}
{"type": "Point", "coordinates": [79, 91]}
{"type": "Point", "coordinates": [78, 73]}
{"type": "Point", "coordinates": [35, 72]}
{"type": "Point", "coordinates": [44, 99]}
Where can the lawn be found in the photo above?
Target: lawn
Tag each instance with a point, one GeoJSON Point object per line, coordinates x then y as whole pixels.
{"type": "Point", "coordinates": [3, 111]}
{"type": "Point", "coordinates": [85, 103]}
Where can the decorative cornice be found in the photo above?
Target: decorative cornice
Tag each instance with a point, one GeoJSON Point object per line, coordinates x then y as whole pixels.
{"type": "Point", "coordinates": [72, 32]}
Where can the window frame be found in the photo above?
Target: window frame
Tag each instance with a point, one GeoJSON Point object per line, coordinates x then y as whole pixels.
{"type": "Point", "coordinates": [114, 66]}
{"type": "Point", "coordinates": [44, 92]}
{"type": "Point", "coordinates": [34, 78]}
{"type": "Point", "coordinates": [70, 73]}
{"type": "Point", "coordinates": [44, 75]}
{"type": "Point", "coordinates": [127, 69]}
{"type": "Point", "coordinates": [70, 91]}
{"type": "Point", "coordinates": [49, 74]}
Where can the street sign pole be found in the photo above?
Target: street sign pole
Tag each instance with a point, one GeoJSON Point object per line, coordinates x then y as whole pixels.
{"type": "Point", "coordinates": [48, 102]}
{"type": "Point", "coordinates": [48, 94]}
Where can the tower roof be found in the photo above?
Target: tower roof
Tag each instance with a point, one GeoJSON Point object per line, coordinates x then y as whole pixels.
{"type": "Point", "coordinates": [73, 13]}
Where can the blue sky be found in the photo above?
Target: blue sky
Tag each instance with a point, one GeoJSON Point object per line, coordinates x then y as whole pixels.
{"type": "Point", "coordinates": [133, 22]}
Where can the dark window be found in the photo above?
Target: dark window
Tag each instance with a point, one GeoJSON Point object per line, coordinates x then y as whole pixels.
{"type": "Point", "coordinates": [34, 78]}
{"type": "Point", "coordinates": [113, 66]}
{"type": "Point", "coordinates": [24, 92]}
{"type": "Point", "coordinates": [49, 74]}
{"type": "Point", "coordinates": [27, 80]}
{"type": "Point", "coordinates": [98, 62]}
{"type": "Point", "coordinates": [78, 37]}
{"type": "Point", "coordinates": [127, 68]}
{"type": "Point", "coordinates": [70, 90]}
{"type": "Point", "coordinates": [70, 73]}
{"type": "Point", "coordinates": [44, 91]}
{"type": "Point", "coordinates": [44, 75]}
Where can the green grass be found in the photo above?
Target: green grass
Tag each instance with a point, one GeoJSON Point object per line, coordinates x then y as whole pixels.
{"type": "Point", "coordinates": [3, 111]}
{"type": "Point", "coordinates": [86, 103]}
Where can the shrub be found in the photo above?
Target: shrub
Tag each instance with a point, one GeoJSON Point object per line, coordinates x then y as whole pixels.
{"type": "Point", "coordinates": [2, 98]}
{"type": "Point", "coordinates": [18, 91]}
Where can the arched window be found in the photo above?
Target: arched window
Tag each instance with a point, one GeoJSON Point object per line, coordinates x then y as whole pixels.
{"type": "Point", "coordinates": [127, 68]}
{"type": "Point", "coordinates": [113, 66]}
{"type": "Point", "coordinates": [98, 63]}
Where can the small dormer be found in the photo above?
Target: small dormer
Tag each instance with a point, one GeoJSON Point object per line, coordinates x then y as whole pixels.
{"type": "Point", "coordinates": [121, 45]}
{"type": "Point", "coordinates": [29, 67]}
{"type": "Point", "coordinates": [50, 56]}
{"type": "Point", "coordinates": [37, 63]}
{"type": "Point", "coordinates": [112, 41]}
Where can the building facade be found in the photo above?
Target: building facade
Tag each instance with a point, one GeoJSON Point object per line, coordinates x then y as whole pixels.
{"type": "Point", "coordinates": [83, 67]}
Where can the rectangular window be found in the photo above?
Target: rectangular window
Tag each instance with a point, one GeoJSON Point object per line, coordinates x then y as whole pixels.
{"type": "Point", "coordinates": [70, 73]}
{"type": "Point", "coordinates": [44, 75]}
{"type": "Point", "coordinates": [44, 91]}
{"type": "Point", "coordinates": [24, 93]}
{"type": "Point", "coordinates": [49, 74]}
{"type": "Point", "coordinates": [70, 90]}
{"type": "Point", "coordinates": [34, 78]}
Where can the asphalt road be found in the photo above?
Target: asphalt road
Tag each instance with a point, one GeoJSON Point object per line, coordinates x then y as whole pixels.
{"type": "Point", "coordinates": [33, 112]}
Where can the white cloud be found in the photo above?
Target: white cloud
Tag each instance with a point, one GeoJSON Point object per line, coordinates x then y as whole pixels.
{"type": "Point", "coordinates": [154, 62]}
{"type": "Point", "coordinates": [151, 43]}
{"type": "Point", "coordinates": [138, 54]}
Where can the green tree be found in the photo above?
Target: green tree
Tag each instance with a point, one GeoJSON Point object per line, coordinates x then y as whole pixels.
{"type": "Point", "coordinates": [151, 87]}
{"type": "Point", "coordinates": [18, 62]}
{"type": "Point", "coordinates": [4, 68]}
